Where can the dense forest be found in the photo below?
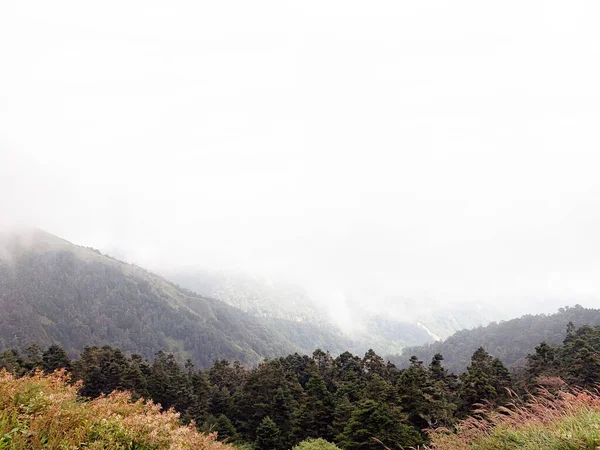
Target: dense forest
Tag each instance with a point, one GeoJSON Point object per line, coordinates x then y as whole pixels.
{"type": "Point", "coordinates": [510, 341]}
{"type": "Point", "coordinates": [347, 400]}
{"type": "Point", "coordinates": [52, 291]}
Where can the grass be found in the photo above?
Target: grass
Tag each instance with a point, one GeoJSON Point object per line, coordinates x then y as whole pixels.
{"type": "Point", "coordinates": [45, 412]}
{"type": "Point", "coordinates": [562, 421]}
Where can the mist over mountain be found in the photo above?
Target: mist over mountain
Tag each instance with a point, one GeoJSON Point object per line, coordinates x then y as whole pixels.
{"type": "Point", "coordinates": [55, 292]}
{"type": "Point", "coordinates": [386, 325]}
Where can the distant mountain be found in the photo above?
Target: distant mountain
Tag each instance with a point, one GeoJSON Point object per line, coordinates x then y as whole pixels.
{"type": "Point", "coordinates": [52, 291]}
{"type": "Point", "coordinates": [257, 296]}
{"type": "Point", "coordinates": [386, 324]}
{"type": "Point", "coordinates": [276, 301]}
{"type": "Point", "coordinates": [509, 340]}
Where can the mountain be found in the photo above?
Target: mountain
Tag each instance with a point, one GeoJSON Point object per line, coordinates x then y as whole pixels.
{"type": "Point", "coordinates": [264, 298]}
{"type": "Point", "coordinates": [257, 296]}
{"type": "Point", "coordinates": [510, 341]}
{"type": "Point", "coordinates": [369, 320]}
{"type": "Point", "coordinates": [52, 291]}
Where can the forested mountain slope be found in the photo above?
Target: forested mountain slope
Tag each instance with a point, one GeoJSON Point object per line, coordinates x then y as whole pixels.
{"type": "Point", "coordinates": [255, 295]}
{"type": "Point", "coordinates": [52, 291]}
{"type": "Point", "coordinates": [277, 301]}
{"type": "Point", "coordinates": [510, 340]}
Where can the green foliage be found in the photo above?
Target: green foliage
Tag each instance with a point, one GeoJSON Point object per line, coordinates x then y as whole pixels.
{"type": "Point", "coordinates": [316, 444]}
{"type": "Point", "coordinates": [371, 420]}
{"type": "Point", "coordinates": [55, 358]}
{"type": "Point", "coordinates": [576, 360]}
{"type": "Point", "coordinates": [222, 426]}
{"type": "Point", "coordinates": [510, 341]}
{"type": "Point", "coordinates": [268, 436]}
{"type": "Point", "coordinates": [351, 401]}
{"type": "Point", "coordinates": [486, 380]}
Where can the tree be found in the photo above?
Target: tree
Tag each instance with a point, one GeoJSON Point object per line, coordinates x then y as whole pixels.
{"type": "Point", "coordinates": [317, 412]}
{"type": "Point", "coordinates": [55, 358]}
{"type": "Point", "coordinates": [33, 357]}
{"type": "Point", "coordinates": [170, 386]}
{"type": "Point", "coordinates": [316, 444]}
{"type": "Point", "coordinates": [342, 413]}
{"type": "Point", "coordinates": [268, 436]}
{"type": "Point", "coordinates": [542, 361]}
{"type": "Point", "coordinates": [485, 380]}
{"type": "Point", "coordinates": [12, 362]}
{"type": "Point", "coordinates": [203, 395]}
{"type": "Point", "coordinates": [222, 425]}
{"type": "Point", "coordinates": [441, 394]}
{"type": "Point", "coordinates": [372, 363]}
{"type": "Point", "coordinates": [371, 420]}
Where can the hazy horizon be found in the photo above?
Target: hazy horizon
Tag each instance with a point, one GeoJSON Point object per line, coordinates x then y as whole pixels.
{"type": "Point", "coordinates": [444, 152]}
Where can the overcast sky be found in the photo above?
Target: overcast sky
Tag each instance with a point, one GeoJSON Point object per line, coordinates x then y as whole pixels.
{"type": "Point", "coordinates": [439, 148]}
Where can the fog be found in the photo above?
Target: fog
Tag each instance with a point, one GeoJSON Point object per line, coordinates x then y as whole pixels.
{"type": "Point", "coordinates": [423, 152]}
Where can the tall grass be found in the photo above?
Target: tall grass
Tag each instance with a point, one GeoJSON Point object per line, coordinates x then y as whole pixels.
{"type": "Point", "coordinates": [45, 412]}
{"type": "Point", "coordinates": [553, 421]}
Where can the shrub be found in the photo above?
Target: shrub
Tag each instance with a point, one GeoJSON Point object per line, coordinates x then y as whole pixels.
{"type": "Point", "coordinates": [316, 444]}
{"type": "Point", "coordinates": [560, 421]}
{"type": "Point", "coordinates": [44, 411]}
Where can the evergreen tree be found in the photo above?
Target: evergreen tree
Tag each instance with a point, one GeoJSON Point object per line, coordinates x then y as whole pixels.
{"type": "Point", "coordinates": [222, 426]}
{"type": "Point", "coordinates": [371, 420]}
{"type": "Point", "coordinates": [55, 358]}
{"type": "Point", "coordinates": [342, 413]}
{"type": "Point", "coordinates": [442, 394]}
{"type": "Point", "coordinates": [169, 385]}
{"type": "Point", "coordinates": [268, 436]}
{"type": "Point", "coordinates": [33, 358]}
{"type": "Point", "coordinates": [12, 362]}
{"type": "Point", "coordinates": [316, 417]}
{"type": "Point", "coordinates": [485, 380]}
{"type": "Point", "coordinates": [203, 394]}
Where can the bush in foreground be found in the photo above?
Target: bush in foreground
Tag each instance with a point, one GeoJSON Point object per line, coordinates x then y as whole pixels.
{"type": "Point", "coordinates": [316, 444]}
{"type": "Point", "coordinates": [564, 421]}
{"type": "Point", "coordinates": [44, 411]}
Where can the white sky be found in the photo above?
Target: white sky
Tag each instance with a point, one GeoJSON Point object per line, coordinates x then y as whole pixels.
{"type": "Point", "coordinates": [440, 148]}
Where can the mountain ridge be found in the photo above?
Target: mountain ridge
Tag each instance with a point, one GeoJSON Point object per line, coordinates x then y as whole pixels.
{"type": "Point", "coordinates": [509, 340]}
{"type": "Point", "coordinates": [53, 291]}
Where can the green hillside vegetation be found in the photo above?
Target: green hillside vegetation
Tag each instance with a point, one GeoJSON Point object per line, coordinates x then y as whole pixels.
{"type": "Point", "coordinates": [510, 341]}
{"type": "Point", "coordinates": [355, 403]}
{"type": "Point", "coordinates": [255, 296]}
{"type": "Point", "coordinates": [54, 292]}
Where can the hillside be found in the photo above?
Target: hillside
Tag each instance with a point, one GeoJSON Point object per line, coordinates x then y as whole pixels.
{"type": "Point", "coordinates": [46, 412]}
{"type": "Point", "coordinates": [277, 301]}
{"type": "Point", "coordinates": [255, 295]}
{"type": "Point", "coordinates": [510, 340]}
{"type": "Point", "coordinates": [52, 291]}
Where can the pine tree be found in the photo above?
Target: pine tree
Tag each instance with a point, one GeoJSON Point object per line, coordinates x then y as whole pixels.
{"type": "Point", "coordinates": [268, 436]}
{"type": "Point", "coordinates": [371, 420]}
{"type": "Point", "coordinates": [317, 414]}
{"type": "Point", "coordinates": [342, 413]}
{"type": "Point", "coordinates": [485, 380]}
{"type": "Point", "coordinates": [222, 426]}
{"type": "Point", "coordinates": [55, 358]}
